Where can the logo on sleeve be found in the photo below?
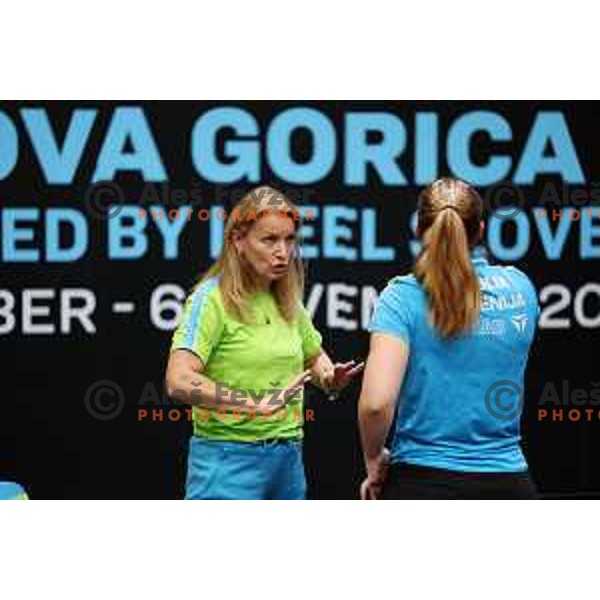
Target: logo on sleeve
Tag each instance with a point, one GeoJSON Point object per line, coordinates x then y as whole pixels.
{"type": "Point", "coordinates": [520, 322]}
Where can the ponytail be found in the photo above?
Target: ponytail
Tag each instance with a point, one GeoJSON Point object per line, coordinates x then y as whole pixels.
{"type": "Point", "coordinates": [444, 269]}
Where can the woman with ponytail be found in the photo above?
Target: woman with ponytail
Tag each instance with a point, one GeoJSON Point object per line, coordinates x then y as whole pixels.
{"type": "Point", "coordinates": [449, 346]}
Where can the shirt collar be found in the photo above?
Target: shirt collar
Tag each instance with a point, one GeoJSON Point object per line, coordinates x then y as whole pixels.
{"type": "Point", "coordinates": [479, 256]}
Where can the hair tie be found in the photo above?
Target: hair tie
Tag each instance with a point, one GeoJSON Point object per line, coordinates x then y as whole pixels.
{"type": "Point", "coordinates": [451, 207]}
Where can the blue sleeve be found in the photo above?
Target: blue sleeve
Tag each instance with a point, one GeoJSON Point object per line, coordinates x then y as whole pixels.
{"type": "Point", "coordinates": [201, 324]}
{"type": "Point", "coordinates": [392, 313]}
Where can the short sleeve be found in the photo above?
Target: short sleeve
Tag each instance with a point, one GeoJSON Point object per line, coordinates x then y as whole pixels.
{"type": "Point", "coordinates": [392, 313]}
{"type": "Point", "coordinates": [311, 338]}
{"type": "Point", "coordinates": [201, 324]}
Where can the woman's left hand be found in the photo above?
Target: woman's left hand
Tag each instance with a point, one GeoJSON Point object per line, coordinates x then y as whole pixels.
{"type": "Point", "coordinates": [377, 471]}
{"type": "Point", "coordinates": [342, 374]}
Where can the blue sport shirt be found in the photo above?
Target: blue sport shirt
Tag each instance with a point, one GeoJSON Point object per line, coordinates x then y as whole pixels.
{"type": "Point", "coordinates": [460, 401]}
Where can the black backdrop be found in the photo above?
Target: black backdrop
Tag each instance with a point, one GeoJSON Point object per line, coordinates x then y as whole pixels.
{"type": "Point", "coordinates": [54, 445]}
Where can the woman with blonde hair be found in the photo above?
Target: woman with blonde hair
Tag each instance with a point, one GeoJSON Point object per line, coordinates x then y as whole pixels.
{"type": "Point", "coordinates": [449, 346]}
{"type": "Point", "coordinates": [241, 355]}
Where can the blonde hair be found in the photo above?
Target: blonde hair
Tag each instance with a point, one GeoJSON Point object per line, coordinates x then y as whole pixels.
{"type": "Point", "coordinates": [236, 283]}
{"type": "Point", "coordinates": [449, 217]}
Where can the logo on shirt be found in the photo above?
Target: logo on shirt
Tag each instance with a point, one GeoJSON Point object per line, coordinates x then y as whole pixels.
{"type": "Point", "coordinates": [491, 326]}
{"type": "Point", "coordinates": [520, 322]}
